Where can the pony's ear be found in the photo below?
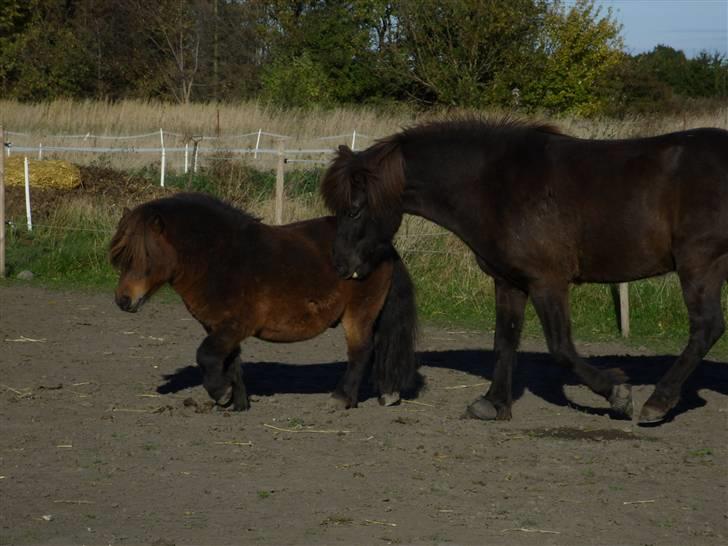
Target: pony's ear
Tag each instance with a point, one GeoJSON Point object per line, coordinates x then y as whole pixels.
{"type": "Point", "coordinates": [345, 151]}
{"type": "Point", "coordinates": [157, 224]}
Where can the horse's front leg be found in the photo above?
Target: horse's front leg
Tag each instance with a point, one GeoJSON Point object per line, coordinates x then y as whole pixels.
{"type": "Point", "coordinates": [510, 306]}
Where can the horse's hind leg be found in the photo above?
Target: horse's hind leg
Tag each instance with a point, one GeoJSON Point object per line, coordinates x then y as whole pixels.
{"type": "Point", "coordinates": [551, 304]}
{"type": "Point", "coordinates": [701, 292]}
{"type": "Point", "coordinates": [510, 305]}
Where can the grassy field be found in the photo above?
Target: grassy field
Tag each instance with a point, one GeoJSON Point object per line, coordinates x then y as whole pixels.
{"type": "Point", "coordinates": [72, 252]}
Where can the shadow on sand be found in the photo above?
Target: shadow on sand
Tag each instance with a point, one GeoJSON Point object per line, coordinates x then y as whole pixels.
{"type": "Point", "coordinates": [535, 372]}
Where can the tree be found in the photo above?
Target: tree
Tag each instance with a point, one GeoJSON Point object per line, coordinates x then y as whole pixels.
{"type": "Point", "coordinates": [335, 39]}
{"type": "Point", "coordinates": [453, 52]}
{"type": "Point", "coordinates": [578, 48]}
{"type": "Point", "coordinates": [41, 57]}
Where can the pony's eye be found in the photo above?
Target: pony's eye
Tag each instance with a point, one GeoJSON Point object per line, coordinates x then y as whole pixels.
{"type": "Point", "coordinates": [354, 213]}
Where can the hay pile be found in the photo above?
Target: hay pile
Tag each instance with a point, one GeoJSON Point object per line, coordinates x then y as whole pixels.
{"type": "Point", "coordinates": [55, 174]}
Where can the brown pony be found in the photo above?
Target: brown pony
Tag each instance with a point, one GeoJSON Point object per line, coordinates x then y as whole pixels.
{"type": "Point", "coordinates": [541, 210]}
{"type": "Point", "coordinates": [239, 278]}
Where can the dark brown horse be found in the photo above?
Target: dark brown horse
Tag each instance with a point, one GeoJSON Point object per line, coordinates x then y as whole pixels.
{"type": "Point", "coordinates": [541, 210]}
{"type": "Point", "coordinates": [241, 278]}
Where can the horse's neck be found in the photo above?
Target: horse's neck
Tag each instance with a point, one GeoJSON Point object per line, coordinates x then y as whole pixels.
{"type": "Point", "coordinates": [442, 203]}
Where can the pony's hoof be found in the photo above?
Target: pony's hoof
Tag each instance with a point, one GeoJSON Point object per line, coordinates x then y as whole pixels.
{"type": "Point", "coordinates": [338, 402]}
{"type": "Point", "coordinates": [241, 405]}
{"type": "Point", "coordinates": [390, 399]}
{"type": "Point", "coordinates": [485, 410]}
{"type": "Point", "coordinates": [621, 400]}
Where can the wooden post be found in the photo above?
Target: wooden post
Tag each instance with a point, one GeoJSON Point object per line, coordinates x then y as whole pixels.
{"type": "Point", "coordinates": [279, 183]}
{"type": "Point", "coordinates": [2, 202]}
{"type": "Point", "coordinates": [624, 309]}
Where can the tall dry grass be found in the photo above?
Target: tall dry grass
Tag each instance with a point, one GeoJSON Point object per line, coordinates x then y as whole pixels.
{"type": "Point", "coordinates": [134, 117]}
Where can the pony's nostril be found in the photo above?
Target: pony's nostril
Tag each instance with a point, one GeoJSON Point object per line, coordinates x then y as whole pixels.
{"type": "Point", "coordinates": [124, 302]}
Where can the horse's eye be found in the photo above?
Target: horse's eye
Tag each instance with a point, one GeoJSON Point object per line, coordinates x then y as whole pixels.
{"type": "Point", "coordinates": [354, 214]}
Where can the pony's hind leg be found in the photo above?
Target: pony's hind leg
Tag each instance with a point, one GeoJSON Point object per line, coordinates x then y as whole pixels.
{"type": "Point", "coordinates": [551, 304]}
{"type": "Point", "coordinates": [701, 292]}
{"type": "Point", "coordinates": [496, 403]}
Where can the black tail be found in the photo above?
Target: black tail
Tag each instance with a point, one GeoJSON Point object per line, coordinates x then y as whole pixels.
{"type": "Point", "coordinates": [394, 368]}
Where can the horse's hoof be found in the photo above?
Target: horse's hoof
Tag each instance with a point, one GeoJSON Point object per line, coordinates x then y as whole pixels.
{"type": "Point", "coordinates": [656, 409]}
{"type": "Point", "coordinates": [651, 415]}
{"type": "Point", "coordinates": [390, 399]}
{"type": "Point", "coordinates": [621, 400]}
{"type": "Point", "coordinates": [485, 410]}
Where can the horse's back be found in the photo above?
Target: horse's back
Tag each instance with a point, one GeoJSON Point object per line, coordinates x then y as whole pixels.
{"type": "Point", "coordinates": [632, 206]}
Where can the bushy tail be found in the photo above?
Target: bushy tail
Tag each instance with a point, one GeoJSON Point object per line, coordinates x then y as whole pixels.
{"type": "Point", "coordinates": [394, 368]}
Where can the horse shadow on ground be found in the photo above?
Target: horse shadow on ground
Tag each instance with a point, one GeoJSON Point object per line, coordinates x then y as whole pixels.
{"type": "Point", "coordinates": [536, 372]}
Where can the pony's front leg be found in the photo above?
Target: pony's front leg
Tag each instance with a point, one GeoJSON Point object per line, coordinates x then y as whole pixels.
{"type": "Point", "coordinates": [510, 306]}
{"type": "Point", "coordinates": [360, 348]}
{"type": "Point", "coordinates": [239, 398]}
{"type": "Point", "coordinates": [219, 358]}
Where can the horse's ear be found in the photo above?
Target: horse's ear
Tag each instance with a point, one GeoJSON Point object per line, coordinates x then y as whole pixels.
{"type": "Point", "coordinates": [345, 151]}
{"type": "Point", "coordinates": [157, 224]}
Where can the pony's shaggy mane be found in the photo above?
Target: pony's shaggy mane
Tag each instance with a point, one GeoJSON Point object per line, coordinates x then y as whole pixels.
{"type": "Point", "coordinates": [381, 170]}
{"type": "Point", "coordinates": [128, 245]}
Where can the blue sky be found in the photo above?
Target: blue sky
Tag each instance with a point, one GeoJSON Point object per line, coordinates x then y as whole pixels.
{"type": "Point", "coordinates": [690, 25]}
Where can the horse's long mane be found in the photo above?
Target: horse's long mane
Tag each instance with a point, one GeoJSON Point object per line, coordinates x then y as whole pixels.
{"type": "Point", "coordinates": [207, 217]}
{"type": "Point", "coordinates": [381, 167]}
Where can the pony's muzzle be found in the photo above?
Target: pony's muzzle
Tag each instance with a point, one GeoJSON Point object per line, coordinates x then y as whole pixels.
{"type": "Point", "coordinates": [126, 304]}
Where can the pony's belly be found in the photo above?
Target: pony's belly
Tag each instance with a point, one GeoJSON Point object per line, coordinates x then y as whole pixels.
{"type": "Point", "coordinates": [306, 321]}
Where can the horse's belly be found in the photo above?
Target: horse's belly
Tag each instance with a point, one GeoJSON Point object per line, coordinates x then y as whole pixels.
{"type": "Point", "coordinates": [626, 262]}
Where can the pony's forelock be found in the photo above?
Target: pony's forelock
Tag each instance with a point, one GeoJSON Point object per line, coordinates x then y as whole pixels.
{"type": "Point", "coordinates": [127, 246]}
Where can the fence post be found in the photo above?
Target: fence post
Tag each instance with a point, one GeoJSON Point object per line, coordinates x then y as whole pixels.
{"type": "Point", "coordinates": [279, 183]}
{"type": "Point", "coordinates": [187, 157]}
{"type": "Point", "coordinates": [353, 141]}
{"type": "Point", "coordinates": [164, 159]}
{"type": "Point", "coordinates": [195, 151]}
{"type": "Point", "coordinates": [2, 202]}
{"type": "Point", "coordinates": [40, 150]}
{"type": "Point", "coordinates": [26, 170]}
{"type": "Point", "coordinates": [257, 144]}
{"type": "Point", "coordinates": [624, 308]}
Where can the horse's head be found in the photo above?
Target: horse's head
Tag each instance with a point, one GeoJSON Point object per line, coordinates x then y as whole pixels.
{"type": "Point", "coordinates": [143, 256]}
{"type": "Point", "coordinates": [364, 189]}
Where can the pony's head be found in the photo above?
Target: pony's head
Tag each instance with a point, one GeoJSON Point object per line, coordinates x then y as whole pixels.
{"type": "Point", "coordinates": [364, 190]}
{"type": "Point", "coordinates": [141, 253]}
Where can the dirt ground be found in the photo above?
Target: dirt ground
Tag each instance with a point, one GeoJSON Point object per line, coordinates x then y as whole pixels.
{"type": "Point", "coordinates": [106, 438]}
